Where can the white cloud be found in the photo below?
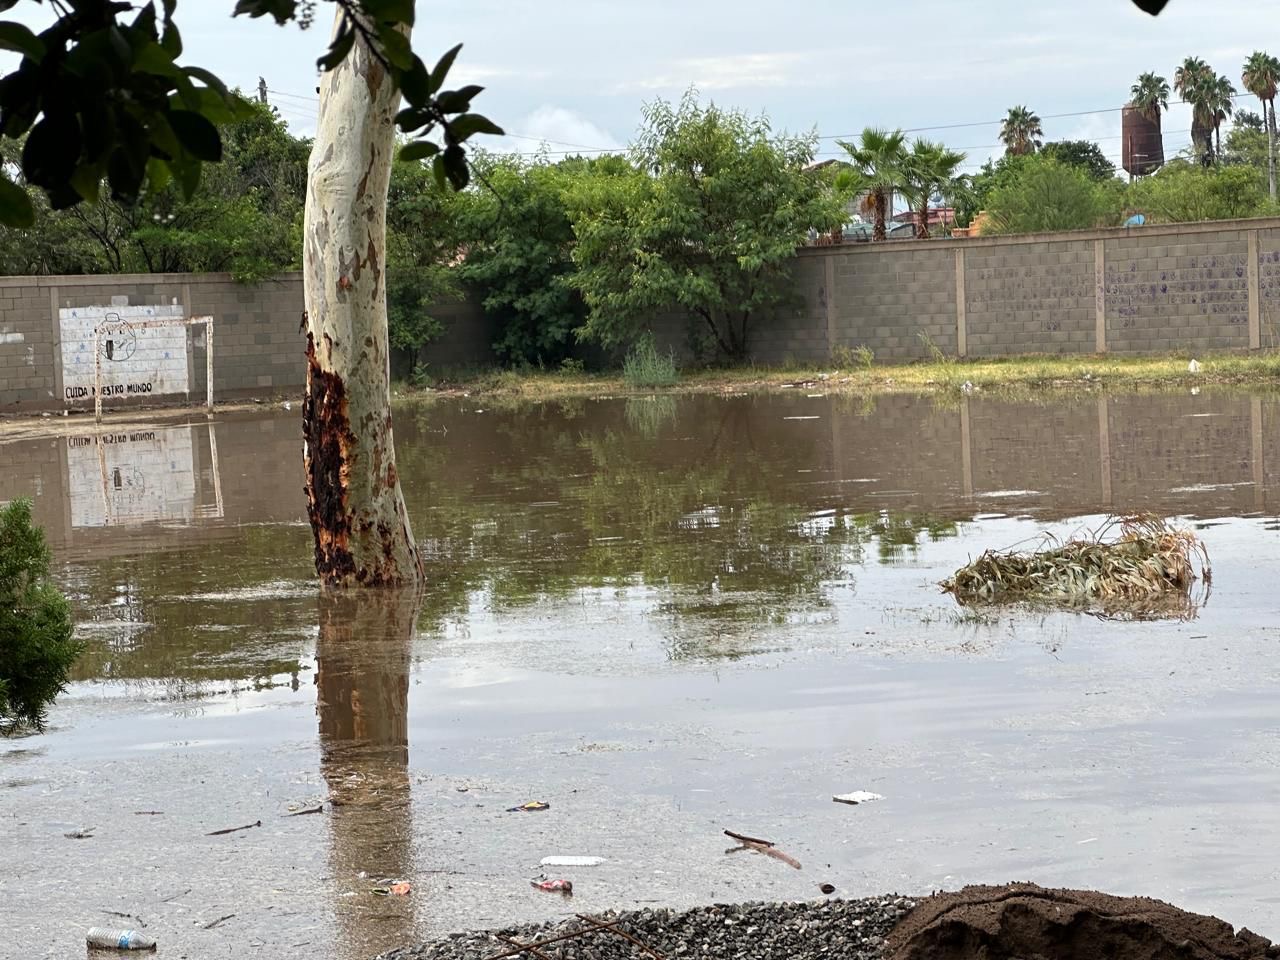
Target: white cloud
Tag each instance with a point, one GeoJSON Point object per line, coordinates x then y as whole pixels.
{"type": "Point", "coordinates": [737, 72]}
{"type": "Point", "coordinates": [561, 129]}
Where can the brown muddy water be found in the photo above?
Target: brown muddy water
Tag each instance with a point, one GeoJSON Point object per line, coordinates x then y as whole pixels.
{"type": "Point", "coordinates": [664, 617]}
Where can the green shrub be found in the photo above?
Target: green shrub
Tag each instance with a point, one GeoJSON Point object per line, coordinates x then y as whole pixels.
{"type": "Point", "coordinates": [36, 646]}
{"type": "Point", "coordinates": [644, 366]}
{"type": "Point", "coordinates": [1045, 195]}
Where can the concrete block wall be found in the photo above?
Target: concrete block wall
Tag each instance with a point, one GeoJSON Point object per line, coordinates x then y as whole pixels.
{"type": "Point", "coordinates": [1030, 298]}
{"type": "Point", "coordinates": [896, 304]}
{"type": "Point", "coordinates": [258, 347]}
{"type": "Point", "coordinates": [1170, 291]}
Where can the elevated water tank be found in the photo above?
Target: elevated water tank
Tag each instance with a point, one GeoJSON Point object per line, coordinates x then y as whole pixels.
{"type": "Point", "coordinates": [1142, 146]}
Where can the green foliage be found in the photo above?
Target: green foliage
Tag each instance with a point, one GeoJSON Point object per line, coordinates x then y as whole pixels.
{"type": "Point", "coordinates": [1150, 94]}
{"type": "Point", "coordinates": [644, 366]}
{"type": "Point", "coordinates": [1182, 192]}
{"type": "Point", "coordinates": [240, 219]}
{"type": "Point", "coordinates": [423, 243]}
{"type": "Point", "coordinates": [518, 254]}
{"type": "Point", "coordinates": [101, 96]}
{"type": "Point", "coordinates": [1048, 195]}
{"type": "Point", "coordinates": [929, 170]}
{"type": "Point", "coordinates": [1020, 131]}
{"type": "Point", "coordinates": [1084, 154]}
{"type": "Point", "coordinates": [859, 357]}
{"type": "Point", "coordinates": [879, 159]}
{"type": "Point", "coordinates": [36, 646]}
{"type": "Point", "coordinates": [710, 225]}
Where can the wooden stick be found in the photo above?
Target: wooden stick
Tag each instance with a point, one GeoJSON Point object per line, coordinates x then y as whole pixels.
{"type": "Point", "coordinates": [523, 949]}
{"type": "Point", "coordinates": [247, 826]}
{"type": "Point", "coordinates": [564, 936]}
{"type": "Point", "coordinates": [319, 808]}
{"type": "Point", "coordinates": [770, 851]}
{"type": "Point", "coordinates": [212, 924]}
{"type": "Point", "coordinates": [742, 838]}
{"type": "Point", "coordinates": [622, 933]}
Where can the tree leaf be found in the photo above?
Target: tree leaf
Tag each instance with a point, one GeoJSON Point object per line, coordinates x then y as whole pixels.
{"type": "Point", "coordinates": [339, 49]}
{"type": "Point", "coordinates": [442, 68]}
{"type": "Point", "coordinates": [196, 134]}
{"type": "Point", "coordinates": [395, 47]}
{"type": "Point", "coordinates": [15, 205]}
{"type": "Point", "coordinates": [415, 84]}
{"type": "Point", "coordinates": [418, 150]}
{"type": "Point", "coordinates": [457, 101]}
{"type": "Point", "coordinates": [471, 123]}
{"type": "Point", "coordinates": [86, 181]}
{"type": "Point", "coordinates": [20, 39]}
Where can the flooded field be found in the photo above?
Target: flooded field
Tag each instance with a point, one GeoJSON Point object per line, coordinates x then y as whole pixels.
{"type": "Point", "coordinates": [665, 618]}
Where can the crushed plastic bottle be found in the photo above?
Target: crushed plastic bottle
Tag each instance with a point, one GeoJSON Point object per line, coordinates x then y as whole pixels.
{"type": "Point", "coordinates": [104, 938]}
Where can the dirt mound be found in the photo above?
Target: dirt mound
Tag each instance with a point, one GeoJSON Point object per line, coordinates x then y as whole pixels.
{"type": "Point", "coordinates": [1029, 922]}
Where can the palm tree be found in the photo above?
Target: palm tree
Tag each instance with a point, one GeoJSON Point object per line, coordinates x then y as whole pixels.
{"type": "Point", "coordinates": [1150, 94]}
{"type": "Point", "coordinates": [1192, 81]}
{"type": "Point", "coordinates": [929, 169]}
{"type": "Point", "coordinates": [1220, 101]}
{"type": "Point", "coordinates": [1261, 77]}
{"type": "Point", "coordinates": [879, 158]}
{"type": "Point", "coordinates": [1020, 131]}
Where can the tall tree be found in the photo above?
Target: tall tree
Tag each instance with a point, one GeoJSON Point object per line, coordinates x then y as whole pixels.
{"type": "Point", "coordinates": [1260, 77]}
{"type": "Point", "coordinates": [1219, 101]}
{"type": "Point", "coordinates": [928, 170]}
{"type": "Point", "coordinates": [100, 97]}
{"type": "Point", "coordinates": [1150, 94]}
{"type": "Point", "coordinates": [1020, 131]}
{"type": "Point", "coordinates": [1192, 81]}
{"type": "Point", "coordinates": [707, 220]}
{"type": "Point", "coordinates": [1085, 154]}
{"type": "Point", "coordinates": [879, 157]}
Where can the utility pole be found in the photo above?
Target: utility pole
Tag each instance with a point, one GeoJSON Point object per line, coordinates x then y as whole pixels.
{"type": "Point", "coordinates": [262, 89]}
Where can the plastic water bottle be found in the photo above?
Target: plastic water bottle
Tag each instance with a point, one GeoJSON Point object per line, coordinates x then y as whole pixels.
{"type": "Point", "coordinates": [104, 938]}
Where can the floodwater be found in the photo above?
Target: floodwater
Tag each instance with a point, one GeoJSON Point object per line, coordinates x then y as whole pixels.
{"type": "Point", "coordinates": [665, 618]}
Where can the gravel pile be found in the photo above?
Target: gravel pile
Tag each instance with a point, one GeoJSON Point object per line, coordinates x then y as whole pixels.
{"type": "Point", "coordinates": [824, 930]}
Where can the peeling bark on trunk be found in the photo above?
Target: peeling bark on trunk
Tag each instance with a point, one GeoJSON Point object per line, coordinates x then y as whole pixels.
{"type": "Point", "coordinates": [357, 511]}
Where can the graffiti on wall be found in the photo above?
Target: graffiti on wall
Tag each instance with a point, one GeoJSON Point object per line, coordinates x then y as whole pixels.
{"type": "Point", "coordinates": [136, 361]}
{"type": "Point", "coordinates": [144, 475]}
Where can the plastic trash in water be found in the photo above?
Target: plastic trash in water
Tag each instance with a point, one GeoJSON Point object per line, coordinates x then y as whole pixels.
{"type": "Point", "coordinates": [104, 938]}
{"type": "Point", "coordinates": [572, 861]}
{"type": "Point", "coordinates": [530, 806]}
{"type": "Point", "coordinates": [554, 886]}
{"type": "Point", "coordinates": [857, 797]}
{"type": "Point", "coordinates": [398, 889]}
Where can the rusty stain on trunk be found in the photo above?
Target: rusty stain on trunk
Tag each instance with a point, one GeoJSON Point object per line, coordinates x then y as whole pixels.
{"type": "Point", "coordinates": [330, 442]}
{"type": "Point", "coordinates": [327, 430]}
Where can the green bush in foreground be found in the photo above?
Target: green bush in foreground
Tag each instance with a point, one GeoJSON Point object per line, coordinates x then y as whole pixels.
{"type": "Point", "coordinates": [36, 647]}
{"type": "Point", "coordinates": [644, 366]}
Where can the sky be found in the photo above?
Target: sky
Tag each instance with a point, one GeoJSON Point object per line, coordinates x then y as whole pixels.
{"type": "Point", "coordinates": [577, 72]}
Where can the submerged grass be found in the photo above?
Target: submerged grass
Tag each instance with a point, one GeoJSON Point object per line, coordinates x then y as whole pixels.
{"type": "Point", "coordinates": [1132, 567]}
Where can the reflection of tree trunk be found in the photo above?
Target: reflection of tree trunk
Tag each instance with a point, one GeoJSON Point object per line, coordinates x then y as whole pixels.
{"type": "Point", "coordinates": [362, 682]}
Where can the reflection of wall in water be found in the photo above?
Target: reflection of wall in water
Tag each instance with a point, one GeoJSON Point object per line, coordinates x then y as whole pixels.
{"type": "Point", "coordinates": [131, 476]}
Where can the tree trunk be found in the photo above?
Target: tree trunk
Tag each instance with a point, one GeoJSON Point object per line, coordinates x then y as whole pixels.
{"type": "Point", "coordinates": [357, 512]}
{"type": "Point", "coordinates": [363, 654]}
{"type": "Point", "coordinates": [879, 232]}
{"type": "Point", "coordinates": [922, 227]}
{"type": "Point", "coordinates": [1269, 124]}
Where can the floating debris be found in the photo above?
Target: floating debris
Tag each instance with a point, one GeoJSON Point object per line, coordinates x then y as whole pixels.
{"type": "Point", "coordinates": [571, 861]}
{"type": "Point", "coordinates": [857, 797]}
{"type": "Point", "coordinates": [1132, 568]}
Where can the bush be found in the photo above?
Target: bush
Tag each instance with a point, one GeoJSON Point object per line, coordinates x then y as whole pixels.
{"type": "Point", "coordinates": [36, 646]}
{"type": "Point", "coordinates": [1046, 195]}
{"type": "Point", "coordinates": [1182, 193]}
{"type": "Point", "coordinates": [644, 366]}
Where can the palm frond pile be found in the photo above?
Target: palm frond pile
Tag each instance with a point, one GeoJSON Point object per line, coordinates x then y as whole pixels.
{"type": "Point", "coordinates": [1132, 567]}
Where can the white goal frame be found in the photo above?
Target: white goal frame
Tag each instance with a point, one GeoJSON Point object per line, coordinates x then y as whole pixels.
{"type": "Point", "coordinates": [146, 324]}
